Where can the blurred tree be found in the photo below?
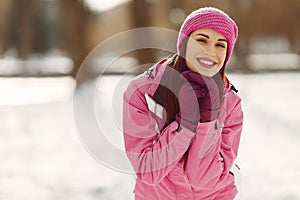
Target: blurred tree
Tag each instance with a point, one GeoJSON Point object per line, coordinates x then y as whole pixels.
{"type": "Point", "coordinates": [20, 28]}
{"type": "Point", "coordinates": [35, 26]}
{"type": "Point", "coordinates": [29, 27]}
{"type": "Point", "coordinates": [141, 18]}
{"type": "Point", "coordinates": [46, 26]}
{"type": "Point", "coordinates": [5, 11]}
{"type": "Point", "coordinates": [266, 19]}
{"type": "Point", "coordinates": [140, 13]}
{"type": "Point", "coordinates": [74, 31]}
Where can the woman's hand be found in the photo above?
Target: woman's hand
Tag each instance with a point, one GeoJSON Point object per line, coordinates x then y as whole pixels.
{"type": "Point", "coordinates": [209, 93]}
{"type": "Point", "coordinates": [189, 114]}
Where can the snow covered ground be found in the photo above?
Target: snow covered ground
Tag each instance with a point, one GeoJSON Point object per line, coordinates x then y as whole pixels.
{"type": "Point", "coordinates": [43, 157]}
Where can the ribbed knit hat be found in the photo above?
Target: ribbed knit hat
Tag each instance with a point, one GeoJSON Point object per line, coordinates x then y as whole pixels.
{"type": "Point", "coordinates": [213, 18]}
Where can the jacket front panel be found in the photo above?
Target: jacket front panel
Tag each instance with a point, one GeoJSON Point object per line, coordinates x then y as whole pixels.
{"type": "Point", "coordinates": [158, 156]}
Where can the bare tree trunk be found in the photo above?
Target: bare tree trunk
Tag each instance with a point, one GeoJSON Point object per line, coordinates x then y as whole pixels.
{"type": "Point", "coordinates": [140, 18]}
{"type": "Point", "coordinates": [140, 13]}
{"type": "Point", "coordinates": [22, 27]}
{"type": "Point", "coordinates": [5, 21]}
{"type": "Point", "coordinates": [74, 31]}
{"type": "Point", "coordinates": [242, 51]}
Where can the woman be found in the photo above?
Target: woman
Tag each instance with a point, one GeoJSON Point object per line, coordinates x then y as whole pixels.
{"type": "Point", "coordinates": [182, 120]}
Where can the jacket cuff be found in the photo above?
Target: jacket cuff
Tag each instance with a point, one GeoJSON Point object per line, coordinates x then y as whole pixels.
{"type": "Point", "coordinates": [186, 131]}
{"type": "Point", "coordinates": [205, 128]}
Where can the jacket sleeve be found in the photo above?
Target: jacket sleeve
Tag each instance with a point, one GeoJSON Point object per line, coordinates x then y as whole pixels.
{"type": "Point", "coordinates": [213, 151]}
{"type": "Point", "coordinates": [151, 157]}
{"type": "Point", "coordinates": [231, 134]}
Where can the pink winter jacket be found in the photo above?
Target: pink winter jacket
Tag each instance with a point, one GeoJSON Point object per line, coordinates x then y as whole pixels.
{"type": "Point", "coordinates": [163, 172]}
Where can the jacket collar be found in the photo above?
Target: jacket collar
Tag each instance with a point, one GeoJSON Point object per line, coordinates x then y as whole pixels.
{"type": "Point", "coordinates": [158, 69]}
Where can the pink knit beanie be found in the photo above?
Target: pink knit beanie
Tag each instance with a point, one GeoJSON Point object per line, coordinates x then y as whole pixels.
{"type": "Point", "coordinates": [214, 19]}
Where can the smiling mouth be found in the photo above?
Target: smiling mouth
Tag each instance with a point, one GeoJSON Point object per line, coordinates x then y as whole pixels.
{"type": "Point", "coordinates": [207, 63]}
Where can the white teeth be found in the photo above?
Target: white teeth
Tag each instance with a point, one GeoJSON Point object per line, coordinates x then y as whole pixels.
{"type": "Point", "coordinates": [206, 62]}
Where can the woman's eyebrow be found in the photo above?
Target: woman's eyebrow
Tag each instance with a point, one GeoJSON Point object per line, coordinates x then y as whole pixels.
{"type": "Point", "coordinates": [221, 39]}
{"type": "Point", "coordinates": [204, 35]}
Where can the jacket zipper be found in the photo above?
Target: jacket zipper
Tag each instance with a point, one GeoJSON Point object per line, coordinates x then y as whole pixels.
{"type": "Point", "coordinates": [187, 180]}
{"type": "Point", "coordinates": [185, 177]}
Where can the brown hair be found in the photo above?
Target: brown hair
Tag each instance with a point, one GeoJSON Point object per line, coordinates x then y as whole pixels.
{"type": "Point", "coordinates": [170, 84]}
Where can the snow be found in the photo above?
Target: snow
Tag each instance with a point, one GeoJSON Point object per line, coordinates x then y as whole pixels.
{"type": "Point", "coordinates": [276, 61]}
{"type": "Point", "coordinates": [43, 157]}
{"type": "Point", "coordinates": [270, 142]}
{"type": "Point", "coordinates": [54, 62]}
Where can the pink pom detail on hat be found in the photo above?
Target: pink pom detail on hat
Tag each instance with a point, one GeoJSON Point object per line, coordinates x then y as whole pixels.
{"type": "Point", "coordinates": [213, 18]}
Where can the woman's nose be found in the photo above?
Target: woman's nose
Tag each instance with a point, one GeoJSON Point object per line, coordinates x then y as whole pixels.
{"type": "Point", "coordinates": [210, 50]}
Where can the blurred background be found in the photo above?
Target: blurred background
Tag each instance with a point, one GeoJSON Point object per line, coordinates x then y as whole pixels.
{"type": "Point", "coordinates": [43, 44]}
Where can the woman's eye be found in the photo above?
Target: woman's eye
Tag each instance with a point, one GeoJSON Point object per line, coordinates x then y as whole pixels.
{"type": "Point", "coordinates": [221, 45]}
{"type": "Point", "coordinates": [201, 40]}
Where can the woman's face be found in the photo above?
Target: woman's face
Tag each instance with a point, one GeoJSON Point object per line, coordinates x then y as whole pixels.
{"type": "Point", "coordinates": [206, 51]}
